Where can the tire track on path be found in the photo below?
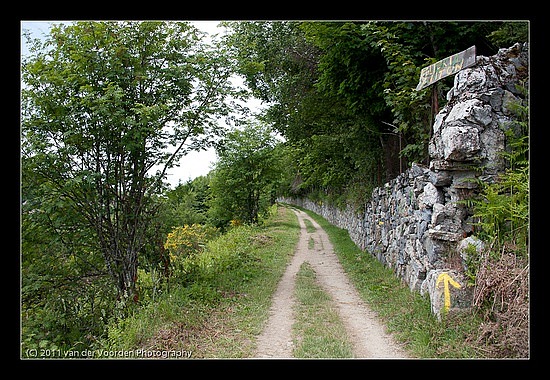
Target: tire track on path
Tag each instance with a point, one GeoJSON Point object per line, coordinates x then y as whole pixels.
{"type": "Point", "coordinates": [366, 333]}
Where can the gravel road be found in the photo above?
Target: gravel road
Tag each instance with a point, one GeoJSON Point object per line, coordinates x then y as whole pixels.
{"type": "Point", "coordinates": [367, 334]}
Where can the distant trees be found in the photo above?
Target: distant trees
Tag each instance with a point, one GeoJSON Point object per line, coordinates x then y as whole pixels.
{"type": "Point", "coordinates": [188, 202]}
{"type": "Point", "coordinates": [246, 176]}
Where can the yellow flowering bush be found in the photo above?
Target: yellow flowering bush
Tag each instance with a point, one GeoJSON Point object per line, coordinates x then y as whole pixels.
{"type": "Point", "coordinates": [188, 240]}
{"type": "Point", "coordinates": [236, 223]}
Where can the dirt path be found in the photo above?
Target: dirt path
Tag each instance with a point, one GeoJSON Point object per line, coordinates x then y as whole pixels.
{"type": "Point", "coordinates": [366, 333]}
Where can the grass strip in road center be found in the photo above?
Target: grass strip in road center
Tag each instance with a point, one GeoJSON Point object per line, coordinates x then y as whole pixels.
{"type": "Point", "coordinates": [318, 331]}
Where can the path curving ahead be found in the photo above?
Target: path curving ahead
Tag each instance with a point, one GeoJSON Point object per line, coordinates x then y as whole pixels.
{"type": "Point", "coordinates": [367, 334]}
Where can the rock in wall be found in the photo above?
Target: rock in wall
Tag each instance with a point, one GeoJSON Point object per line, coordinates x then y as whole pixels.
{"type": "Point", "coordinates": [416, 223]}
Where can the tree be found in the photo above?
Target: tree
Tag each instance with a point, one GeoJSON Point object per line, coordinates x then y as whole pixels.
{"type": "Point", "coordinates": [187, 203]}
{"type": "Point", "coordinates": [107, 108]}
{"type": "Point", "coordinates": [303, 70]}
{"type": "Point", "coordinates": [351, 85]}
{"type": "Point", "coordinates": [245, 176]}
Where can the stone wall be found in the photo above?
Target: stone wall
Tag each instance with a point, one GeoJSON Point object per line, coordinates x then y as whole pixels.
{"type": "Point", "coordinates": [416, 224]}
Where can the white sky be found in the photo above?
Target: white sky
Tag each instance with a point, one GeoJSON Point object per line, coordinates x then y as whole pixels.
{"type": "Point", "coordinates": [194, 164]}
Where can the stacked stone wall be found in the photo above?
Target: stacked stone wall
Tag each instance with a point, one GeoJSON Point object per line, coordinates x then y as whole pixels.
{"type": "Point", "coordinates": [417, 224]}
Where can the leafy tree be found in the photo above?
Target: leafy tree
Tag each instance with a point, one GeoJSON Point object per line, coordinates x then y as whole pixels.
{"type": "Point", "coordinates": [281, 67]}
{"type": "Point", "coordinates": [374, 67]}
{"type": "Point", "coordinates": [274, 58]}
{"type": "Point", "coordinates": [510, 32]}
{"type": "Point", "coordinates": [107, 108]}
{"type": "Point", "coordinates": [245, 176]}
{"type": "Point", "coordinates": [352, 85]}
{"type": "Point", "coordinates": [187, 203]}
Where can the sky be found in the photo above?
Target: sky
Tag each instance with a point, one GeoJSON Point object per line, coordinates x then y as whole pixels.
{"type": "Point", "coordinates": [194, 164]}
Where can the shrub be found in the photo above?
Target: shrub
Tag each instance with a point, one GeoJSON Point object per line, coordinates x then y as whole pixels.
{"type": "Point", "coordinates": [501, 292]}
{"type": "Point", "coordinates": [187, 241]}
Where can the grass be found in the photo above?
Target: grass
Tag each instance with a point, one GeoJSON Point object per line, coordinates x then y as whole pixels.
{"type": "Point", "coordinates": [318, 331]}
{"type": "Point", "coordinates": [406, 314]}
{"type": "Point", "coordinates": [310, 228]}
{"type": "Point", "coordinates": [224, 309]}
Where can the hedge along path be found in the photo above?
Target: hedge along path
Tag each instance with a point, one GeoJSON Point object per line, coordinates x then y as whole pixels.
{"type": "Point", "coordinates": [366, 333]}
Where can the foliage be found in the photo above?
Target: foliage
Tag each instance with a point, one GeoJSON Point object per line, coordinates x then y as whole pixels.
{"type": "Point", "coordinates": [412, 110]}
{"type": "Point", "coordinates": [502, 211]}
{"type": "Point", "coordinates": [274, 59]}
{"type": "Point", "coordinates": [501, 270]}
{"type": "Point", "coordinates": [245, 177]}
{"type": "Point", "coordinates": [66, 295]}
{"type": "Point", "coordinates": [187, 241]}
{"type": "Point", "coordinates": [101, 106]}
{"type": "Point", "coordinates": [188, 202]}
{"type": "Point", "coordinates": [509, 33]}
{"type": "Point", "coordinates": [343, 94]}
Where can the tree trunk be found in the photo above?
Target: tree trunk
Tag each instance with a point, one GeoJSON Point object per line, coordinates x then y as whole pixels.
{"type": "Point", "coordinates": [122, 264]}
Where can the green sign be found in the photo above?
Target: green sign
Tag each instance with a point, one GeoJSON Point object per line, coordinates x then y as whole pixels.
{"type": "Point", "coordinates": [447, 66]}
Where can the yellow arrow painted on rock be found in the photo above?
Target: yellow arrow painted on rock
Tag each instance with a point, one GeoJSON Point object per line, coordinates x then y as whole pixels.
{"type": "Point", "coordinates": [444, 276]}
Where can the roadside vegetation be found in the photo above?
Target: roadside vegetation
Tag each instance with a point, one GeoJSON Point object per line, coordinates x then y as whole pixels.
{"type": "Point", "coordinates": [218, 306]}
{"type": "Point", "coordinates": [113, 258]}
{"type": "Point", "coordinates": [219, 302]}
